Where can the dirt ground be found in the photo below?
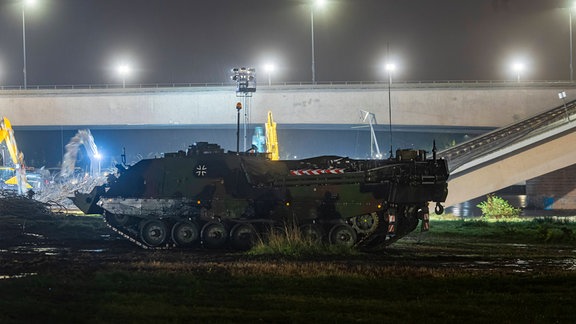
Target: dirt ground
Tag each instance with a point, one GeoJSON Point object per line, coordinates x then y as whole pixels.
{"type": "Point", "coordinates": [86, 244]}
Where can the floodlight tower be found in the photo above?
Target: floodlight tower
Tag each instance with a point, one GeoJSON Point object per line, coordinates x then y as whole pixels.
{"type": "Point", "coordinates": [245, 86]}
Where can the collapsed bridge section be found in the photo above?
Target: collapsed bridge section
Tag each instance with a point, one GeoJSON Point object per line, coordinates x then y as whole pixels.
{"type": "Point", "coordinates": [528, 149]}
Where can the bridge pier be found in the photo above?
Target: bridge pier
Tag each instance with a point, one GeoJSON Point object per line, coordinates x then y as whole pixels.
{"type": "Point", "coordinates": [553, 191]}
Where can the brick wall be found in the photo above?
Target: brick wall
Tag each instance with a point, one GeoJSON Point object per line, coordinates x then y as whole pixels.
{"type": "Point", "coordinates": [555, 190]}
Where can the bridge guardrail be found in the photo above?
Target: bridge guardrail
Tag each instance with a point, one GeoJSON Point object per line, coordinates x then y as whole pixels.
{"type": "Point", "coordinates": [408, 83]}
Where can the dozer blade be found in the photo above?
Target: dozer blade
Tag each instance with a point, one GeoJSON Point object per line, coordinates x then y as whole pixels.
{"type": "Point", "coordinates": [86, 202]}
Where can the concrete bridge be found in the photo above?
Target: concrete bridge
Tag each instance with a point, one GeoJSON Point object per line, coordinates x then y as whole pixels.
{"type": "Point", "coordinates": [444, 107]}
{"type": "Point", "coordinates": [414, 104]}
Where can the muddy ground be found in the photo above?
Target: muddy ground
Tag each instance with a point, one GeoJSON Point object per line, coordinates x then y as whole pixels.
{"type": "Point", "coordinates": [68, 243]}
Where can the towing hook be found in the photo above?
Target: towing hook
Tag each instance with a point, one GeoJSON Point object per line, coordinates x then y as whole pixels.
{"type": "Point", "coordinates": [439, 209]}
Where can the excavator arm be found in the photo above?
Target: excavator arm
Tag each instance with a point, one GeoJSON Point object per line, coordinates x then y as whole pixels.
{"type": "Point", "coordinates": [271, 138]}
{"type": "Point", "coordinates": [83, 137]}
{"type": "Point", "coordinates": [17, 157]}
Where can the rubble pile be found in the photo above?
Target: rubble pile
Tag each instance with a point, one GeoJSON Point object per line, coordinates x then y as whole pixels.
{"type": "Point", "coordinates": [15, 205]}
{"type": "Point", "coordinates": [55, 194]}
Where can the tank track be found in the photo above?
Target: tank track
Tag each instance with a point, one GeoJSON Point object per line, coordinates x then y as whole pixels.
{"type": "Point", "coordinates": [131, 232]}
{"type": "Point", "coordinates": [125, 234]}
{"type": "Point", "coordinates": [378, 236]}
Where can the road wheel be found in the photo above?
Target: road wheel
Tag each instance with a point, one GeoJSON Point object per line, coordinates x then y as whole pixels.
{"type": "Point", "coordinates": [153, 232]}
{"type": "Point", "coordinates": [213, 235]}
{"type": "Point", "coordinates": [185, 233]}
{"type": "Point", "coordinates": [312, 233]}
{"type": "Point", "coordinates": [342, 234]}
{"type": "Point", "coordinates": [243, 236]}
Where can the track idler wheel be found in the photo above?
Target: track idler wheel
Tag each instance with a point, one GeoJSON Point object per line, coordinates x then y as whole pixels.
{"type": "Point", "coordinates": [342, 234]}
{"type": "Point", "coordinates": [122, 219]}
{"type": "Point", "coordinates": [243, 236]}
{"type": "Point", "coordinates": [153, 232]}
{"type": "Point", "coordinates": [185, 233]}
{"type": "Point", "coordinates": [213, 235]}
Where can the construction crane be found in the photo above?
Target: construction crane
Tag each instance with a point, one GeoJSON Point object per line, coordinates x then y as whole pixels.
{"type": "Point", "coordinates": [17, 157]}
{"type": "Point", "coordinates": [272, 138]}
{"type": "Point", "coordinates": [371, 118]}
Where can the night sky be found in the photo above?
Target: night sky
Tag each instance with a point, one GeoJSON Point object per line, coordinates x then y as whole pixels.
{"type": "Point", "coordinates": [188, 41]}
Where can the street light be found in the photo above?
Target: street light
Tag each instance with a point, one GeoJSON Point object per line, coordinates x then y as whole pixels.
{"type": "Point", "coordinates": [124, 70]}
{"type": "Point", "coordinates": [269, 68]}
{"type": "Point", "coordinates": [518, 67]}
{"type": "Point", "coordinates": [570, 9]}
{"type": "Point", "coordinates": [318, 4]}
{"type": "Point", "coordinates": [25, 3]}
{"type": "Point", "coordinates": [562, 96]}
{"type": "Point", "coordinates": [390, 67]}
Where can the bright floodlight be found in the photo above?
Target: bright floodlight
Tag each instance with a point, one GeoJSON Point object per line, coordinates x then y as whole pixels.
{"type": "Point", "coordinates": [269, 68]}
{"type": "Point", "coordinates": [124, 70]}
{"type": "Point", "coordinates": [518, 67]}
{"type": "Point", "coordinates": [390, 67]}
{"type": "Point", "coordinates": [30, 3]}
{"type": "Point", "coordinates": [319, 3]}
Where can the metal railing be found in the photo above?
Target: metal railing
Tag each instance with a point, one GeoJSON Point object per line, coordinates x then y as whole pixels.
{"type": "Point", "coordinates": [502, 137]}
{"type": "Point", "coordinates": [396, 84]}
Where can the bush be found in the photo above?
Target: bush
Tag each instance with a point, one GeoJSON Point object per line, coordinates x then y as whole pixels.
{"type": "Point", "coordinates": [496, 208]}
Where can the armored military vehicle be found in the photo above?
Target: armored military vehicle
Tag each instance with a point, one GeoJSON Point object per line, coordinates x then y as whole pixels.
{"type": "Point", "coordinates": [207, 197]}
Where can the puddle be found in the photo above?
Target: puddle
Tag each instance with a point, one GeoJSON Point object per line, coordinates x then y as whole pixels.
{"type": "Point", "coordinates": [94, 250]}
{"type": "Point", "coordinates": [16, 276]}
{"type": "Point", "coordinates": [34, 235]}
{"type": "Point", "coordinates": [518, 245]}
{"type": "Point", "coordinates": [520, 265]}
{"type": "Point", "coordinates": [22, 249]}
{"type": "Point", "coordinates": [47, 250]}
{"type": "Point", "coordinates": [568, 264]}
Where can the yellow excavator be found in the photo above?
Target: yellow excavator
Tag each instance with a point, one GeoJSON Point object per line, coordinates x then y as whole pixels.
{"type": "Point", "coordinates": [271, 139]}
{"type": "Point", "coordinates": [19, 170]}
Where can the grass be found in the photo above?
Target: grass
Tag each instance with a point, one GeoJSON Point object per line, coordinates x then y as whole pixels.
{"type": "Point", "coordinates": [289, 241]}
{"type": "Point", "coordinates": [229, 295]}
{"type": "Point", "coordinates": [462, 270]}
{"type": "Point", "coordinates": [526, 230]}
